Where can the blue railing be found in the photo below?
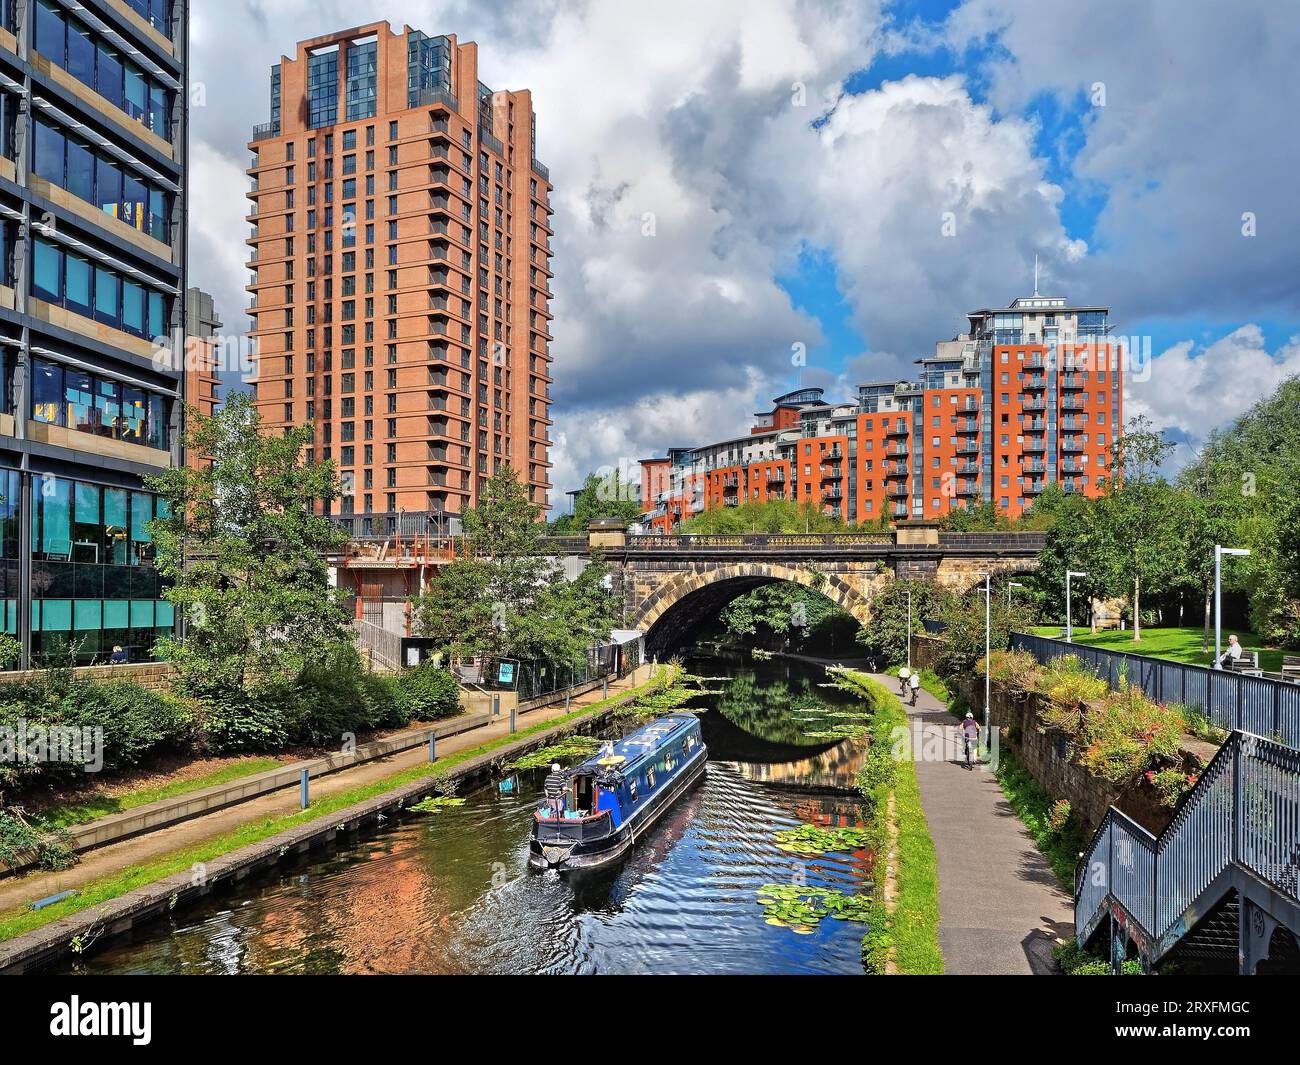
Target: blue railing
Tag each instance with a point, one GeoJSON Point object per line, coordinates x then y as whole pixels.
{"type": "Point", "coordinates": [1233, 701]}
{"type": "Point", "coordinates": [1243, 812]}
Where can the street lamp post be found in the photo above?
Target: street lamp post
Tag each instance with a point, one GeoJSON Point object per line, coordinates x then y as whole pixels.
{"type": "Point", "coordinates": [1010, 585]}
{"type": "Point", "coordinates": [909, 630]}
{"type": "Point", "coordinates": [1219, 552]}
{"type": "Point", "coordinates": [1069, 621]}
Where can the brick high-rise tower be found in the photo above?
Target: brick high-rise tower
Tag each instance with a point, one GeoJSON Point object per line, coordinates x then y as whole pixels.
{"type": "Point", "coordinates": [401, 259]}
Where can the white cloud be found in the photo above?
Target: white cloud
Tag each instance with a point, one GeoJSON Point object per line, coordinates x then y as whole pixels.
{"type": "Point", "coordinates": [1193, 389]}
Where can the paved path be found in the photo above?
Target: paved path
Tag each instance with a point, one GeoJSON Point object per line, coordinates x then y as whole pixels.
{"type": "Point", "coordinates": [19, 891]}
{"type": "Point", "coordinates": [1001, 908]}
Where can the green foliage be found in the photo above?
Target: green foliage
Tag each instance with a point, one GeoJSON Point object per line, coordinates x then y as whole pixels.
{"type": "Point", "coordinates": [1070, 688]}
{"type": "Point", "coordinates": [785, 615]}
{"type": "Point", "coordinates": [1127, 733]}
{"type": "Point", "coordinates": [431, 691]}
{"type": "Point", "coordinates": [10, 649]}
{"type": "Point", "coordinates": [769, 516]}
{"type": "Point", "coordinates": [801, 907]}
{"type": "Point", "coordinates": [1075, 961]}
{"type": "Point", "coordinates": [811, 839]}
{"type": "Point", "coordinates": [608, 496]}
{"type": "Point", "coordinates": [331, 698]}
{"type": "Point", "coordinates": [964, 637]}
{"type": "Point", "coordinates": [20, 840]}
{"type": "Point", "coordinates": [506, 598]}
{"type": "Point", "coordinates": [1013, 670]}
{"type": "Point", "coordinates": [436, 804]}
{"type": "Point", "coordinates": [1171, 784]}
{"type": "Point", "coordinates": [135, 722]}
{"type": "Point", "coordinates": [243, 554]}
{"type": "Point", "coordinates": [885, 634]}
{"type": "Point", "coordinates": [980, 517]}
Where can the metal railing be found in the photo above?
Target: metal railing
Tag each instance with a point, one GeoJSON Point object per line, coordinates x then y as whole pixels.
{"type": "Point", "coordinates": [383, 646]}
{"type": "Point", "coordinates": [1233, 701]}
{"type": "Point", "coordinates": [1244, 811]}
{"type": "Point", "coordinates": [531, 680]}
{"type": "Point", "coordinates": [757, 541]}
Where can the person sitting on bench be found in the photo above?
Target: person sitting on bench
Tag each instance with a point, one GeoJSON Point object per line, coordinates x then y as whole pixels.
{"type": "Point", "coordinates": [1230, 656]}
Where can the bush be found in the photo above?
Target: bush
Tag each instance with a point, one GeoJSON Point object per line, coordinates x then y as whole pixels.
{"type": "Point", "coordinates": [1070, 688]}
{"type": "Point", "coordinates": [1128, 733]}
{"type": "Point", "coordinates": [432, 691]}
{"type": "Point", "coordinates": [19, 839]}
{"type": "Point", "coordinates": [235, 719]}
{"type": "Point", "coordinates": [1014, 670]}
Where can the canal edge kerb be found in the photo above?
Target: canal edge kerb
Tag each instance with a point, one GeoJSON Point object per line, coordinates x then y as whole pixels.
{"type": "Point", "coordinates": [42, 946]}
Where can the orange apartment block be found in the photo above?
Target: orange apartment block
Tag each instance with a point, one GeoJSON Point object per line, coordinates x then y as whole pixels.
{"type": "Point", "coordinates": [1031, 395]}
{"type": "Point", "coordinates": [401, 274]}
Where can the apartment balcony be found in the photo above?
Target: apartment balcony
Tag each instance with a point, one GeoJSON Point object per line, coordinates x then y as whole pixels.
{"type": "Point", "coordinates": [776, 476]}
{"type": "Point", "coordinates": [900, 511]}
{"type": "Point", "coordinates": [778, 494]}
{"type": "Point", "coordinates": [1072, 466]}
{"type": "Point", "coordinates": [731, 480]}
{"type": "Point", "coordinates": [834, 453]}
{"type": "Point", "coordinates": [1072, 443]}
{"type": "Point", "coordinates": [967, 488]}
{"type": "Point", "coordinates": [1073, 403]}
{"type": "Point", "coordinates": [1033, 404]}
{"type": "Point", "coordinates": [832, 473]}
{"type": "Point", "coordinates": [968, 447]}
{"type": "Point", "coordinates": [1035, 382]}
{"type": "Point", "coordinates": [968, 425]}
{"type": "Point", "coordinates": [896, 428]}
{"type": "Point", "coordinates": [897, 491]}
{"type": "Point", "coordinates": [1073, 381]}
{"type": "Point", "coordinates": [1038, 425]}
{"type": "Point", "coordinates": [896, 469]}
{"type": "Point", "coordinates": [1035, 443]}
{"type": "Point", "coordinates": [265, 130]}
{"type": "Point", "coordinates": [1034, 467]}
{"type": "Point", "coordinates": [1033, 488]}
{"type": "Point", "coordinates": [899, 450]}
{"type": "Point", "coordinates": [1071, 487]}
{"type": "Point", "coordinates": [970, 404]}
{"type": "Point", "coordinates": [968, 467]}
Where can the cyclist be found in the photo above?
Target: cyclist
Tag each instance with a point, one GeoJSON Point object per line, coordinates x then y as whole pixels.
{"type": "Point", "coordinates": [903, 674]}
{"type": "Point", "coordinates": [970, 732]}
{"type": "Point", "coordinates": [914, 682]}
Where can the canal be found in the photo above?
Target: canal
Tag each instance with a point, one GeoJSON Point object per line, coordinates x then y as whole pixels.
{"type": "Point", "coordinates": [450, 892]}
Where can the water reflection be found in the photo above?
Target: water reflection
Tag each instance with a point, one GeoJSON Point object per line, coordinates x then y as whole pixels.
{"type": "Point", "coordinates": [450, 892]}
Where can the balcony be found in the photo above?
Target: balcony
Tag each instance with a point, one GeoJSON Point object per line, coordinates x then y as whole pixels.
{"type": "Point", "coordinates": [1071, 466]}
{"type": "Point", "coordinates": [430, 97]}
{"type": "Point", "coordinates": [1072, 443]}
{"type": "Point", "coordinates": [1033, 404]}
{"type": "Point", "coordinates": [1034, 467]}
{"type": "Point", "coordinates": [1073, 381]}
{"type": "Point", "coordinates": [832, 473]}
{"type": "Point", "coordinates": [897, 491]}
{"type": "Point", "coordinates": [900, 511]}
{"type": "Point", "coordinates": [968, 447]}
{"type": "Point", "coordinates": [833, 493]}
{"type": "Point", "coordinates": [1035, 382]}
{"type": "Point", "coordinates": [896, 469]}
{"type": "Point", "coordinates": [834, 453]}
{"type": "Point", "coordinates": [968, 467]}
{"type": "Point", "coordinates": [900, 450]}
{"type": "Point", "coordinates": [1073, 403]}
{"type": "Point", "coordinates": [970, 404]}
{"type": "Point", "coordinates": [1038, 425]}
{"type": "Point", "coordinates": [968, 425]}
{"type": "Point", "coordinates": [265, 130]}
{"type": "Point", "coordinates": [897, 428]}
{"type": "Point", "coordinates": [776, 476]}
{"type": "Point", "coordinates": [1032, 488]}
{"type": "Point", "coordinates": [1034, 443]}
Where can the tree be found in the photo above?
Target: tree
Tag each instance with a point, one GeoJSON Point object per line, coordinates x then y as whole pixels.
{"type": "Point", "coordinates": [1139, 516]}
{"type": "Point", "coordinates": [242, 553]}
{"type": "Point", "coordinates": [886, 633]}
{"type": "Point", "coordinates": [600, 497]}
{"type": "Point", "coordinates": [505, 597]}
{"type": "Point", "coordinates": [767, 516]}
{"type": "Point", "coordinates": [985, 516]}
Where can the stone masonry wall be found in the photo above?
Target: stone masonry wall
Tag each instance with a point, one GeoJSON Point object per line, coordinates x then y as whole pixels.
{"type": "Point", "coordinates": [155, 676]}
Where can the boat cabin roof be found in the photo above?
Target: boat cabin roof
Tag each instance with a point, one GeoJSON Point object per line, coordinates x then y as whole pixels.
{"type": "Point", "coordinates": [644, 742]}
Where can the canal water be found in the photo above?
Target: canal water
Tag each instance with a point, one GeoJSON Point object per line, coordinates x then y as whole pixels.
{"type": "Point", "coordinates": [450, 892]}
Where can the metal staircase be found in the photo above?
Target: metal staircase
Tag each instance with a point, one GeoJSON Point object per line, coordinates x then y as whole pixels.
{"type": "Point", "coordinates": [1232, 850]}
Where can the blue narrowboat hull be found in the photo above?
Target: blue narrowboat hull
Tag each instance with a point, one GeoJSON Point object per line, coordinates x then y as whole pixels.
{"type": "Point", "coordinates": [602, 837]}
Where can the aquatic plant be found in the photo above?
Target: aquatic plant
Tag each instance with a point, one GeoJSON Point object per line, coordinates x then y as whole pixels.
{"type": "Point", "coordinates": [801, 907]}
{"type": "Point", "coordinates": [569, 750]}
{"type": "Point", "coordinates": [434, 803]}
{"type": "Point", "coordinates": [809, 839]}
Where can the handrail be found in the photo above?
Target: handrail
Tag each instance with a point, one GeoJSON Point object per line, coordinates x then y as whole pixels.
{"type": "Point", "coordinates": [1244, 810]}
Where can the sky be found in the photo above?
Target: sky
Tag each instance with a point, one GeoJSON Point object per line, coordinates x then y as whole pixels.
{"type": "Point", "coordinates": [756, 195]}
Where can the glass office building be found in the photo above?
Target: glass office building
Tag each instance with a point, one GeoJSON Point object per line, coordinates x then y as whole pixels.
{"type": "Point", "coordinates": [92, 220]}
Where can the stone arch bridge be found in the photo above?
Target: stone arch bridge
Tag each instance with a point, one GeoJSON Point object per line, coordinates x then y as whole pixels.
{"type": "Point", "coordinates": [670, 584]}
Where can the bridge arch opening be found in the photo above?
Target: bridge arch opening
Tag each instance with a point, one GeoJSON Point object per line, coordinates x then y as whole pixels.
{"type": "Point", "coordinates": [675, 614]}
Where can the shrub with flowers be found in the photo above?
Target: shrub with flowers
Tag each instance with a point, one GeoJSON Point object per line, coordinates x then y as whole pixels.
{"type": "Point", "coordinates": [1127, 733]}
{"type": "Point", "coordinates": [1171, 783]}
{"type": "Point", "coordinates": [1059, 816]}
{"type": "Point", "coordinates": [1012, 670]}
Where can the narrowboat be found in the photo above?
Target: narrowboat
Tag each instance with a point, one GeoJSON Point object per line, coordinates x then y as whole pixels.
{"type": "Point", "coordinates": [595, 811]}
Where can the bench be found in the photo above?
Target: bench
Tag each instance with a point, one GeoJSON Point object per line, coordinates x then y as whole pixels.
{"type": "Point", "coordinates": [1247, 663]}
{"type": "Point", "coordinates": [1291, 668]}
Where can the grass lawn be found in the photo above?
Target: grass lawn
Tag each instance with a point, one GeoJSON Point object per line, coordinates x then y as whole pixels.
{"type": "Point", "coordinates": [87, 808]}
{"type": "Point", "coordinates": [1177, 644]}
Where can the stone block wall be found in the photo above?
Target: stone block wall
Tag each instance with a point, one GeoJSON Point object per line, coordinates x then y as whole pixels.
{"type": "Point", "coordinates": [155, 676]}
